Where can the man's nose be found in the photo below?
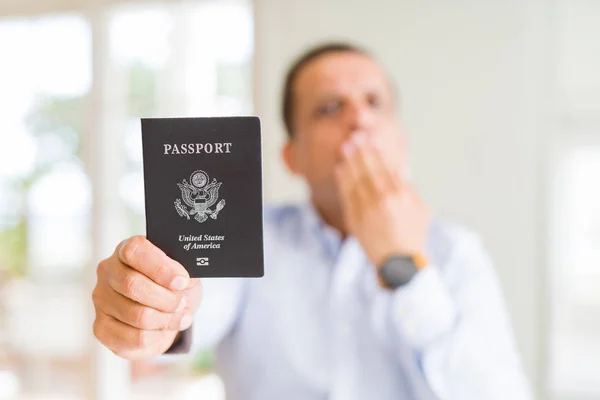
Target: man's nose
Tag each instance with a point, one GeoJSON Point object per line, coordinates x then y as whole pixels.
{"type": "Point", "coordinates": [359, 118]}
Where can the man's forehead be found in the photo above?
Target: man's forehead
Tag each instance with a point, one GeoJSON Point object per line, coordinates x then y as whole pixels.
{"type": "Point", "coordinates": [341, 70]}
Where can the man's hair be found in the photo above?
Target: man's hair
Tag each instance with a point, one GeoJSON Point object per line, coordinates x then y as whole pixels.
{"type": "Point", "coordinates": [297, 66]}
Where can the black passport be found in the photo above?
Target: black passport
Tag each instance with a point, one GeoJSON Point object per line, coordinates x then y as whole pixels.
{"type": "Point", "coordinates": [203, 185]}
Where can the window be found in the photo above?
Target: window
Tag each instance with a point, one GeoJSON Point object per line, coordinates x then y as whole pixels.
{"type": "Point", "coordinates": [155, 59]}
{"type": "Point", "coordinates": [44, 197]}
{"type": "Point", "coordinates": [574, 350]}
{"type": "Point", "coordinates": [574, 347]}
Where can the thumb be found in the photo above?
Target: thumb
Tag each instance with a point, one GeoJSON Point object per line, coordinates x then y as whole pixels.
{"type": "Point", "coordinates": [193, 296]}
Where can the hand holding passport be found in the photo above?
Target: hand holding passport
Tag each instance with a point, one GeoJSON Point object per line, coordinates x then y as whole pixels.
{"type": "Point", "coordinates": [204, 219]}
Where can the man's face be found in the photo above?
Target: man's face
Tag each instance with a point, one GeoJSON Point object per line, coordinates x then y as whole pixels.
{"type": "Point", "coordinates": [336, 95]}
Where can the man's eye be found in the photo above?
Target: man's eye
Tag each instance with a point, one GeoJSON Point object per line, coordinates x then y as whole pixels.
{"type": "Point", "coordinates": [375, 102]}
{"type": "Point", "coordinates": [329, 109]}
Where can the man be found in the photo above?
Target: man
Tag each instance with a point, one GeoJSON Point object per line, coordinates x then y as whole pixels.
{"type": "Point", "coordinates": [364, 295]}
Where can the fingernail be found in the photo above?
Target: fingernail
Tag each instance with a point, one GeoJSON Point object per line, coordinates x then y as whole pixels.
{"type": "Point", "coordinates": [179, 283]}
{"type": "Point", "coordinates": [185, 323]}
{"type": "Point", "coordinates": [181, 305]}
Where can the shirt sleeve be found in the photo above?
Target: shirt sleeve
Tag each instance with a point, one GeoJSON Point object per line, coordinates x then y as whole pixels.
{"type": "Point", "coordinates": [215, 318]}
{"type": "Point", "coordinates": [454, 318]}
{"type": "Point", "coordinates": [182, 343]}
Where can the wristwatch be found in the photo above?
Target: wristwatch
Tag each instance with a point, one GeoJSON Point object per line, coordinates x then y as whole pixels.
{"type": "Point", "coordinates": [398, 270]}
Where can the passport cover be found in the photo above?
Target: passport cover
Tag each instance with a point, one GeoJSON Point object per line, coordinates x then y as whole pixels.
{"type": "Point", "coordinates": [203, 187]}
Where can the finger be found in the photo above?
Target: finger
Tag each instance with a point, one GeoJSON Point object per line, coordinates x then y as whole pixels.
{"type": "Point", "coordinates": [356, 175]}
{"type": "Point", "coordinates": [345, 189]}
{"type": "Point", "coordinates": [141, 255]}
{"type": "Point", "coordinates": [389, 172]}
{"type": "Point", "coordinates": [371, 167]}
{"type": "Point", "coordinates": [129, 342]}
{"type": "Point", "coordinates": [394, 151]}
{"type": "Point", "coordinates": [141, 289]}
{"type": "Point", "coordinates": [193, 296]}
{"type": "Point", "coordinates": [137, 315]}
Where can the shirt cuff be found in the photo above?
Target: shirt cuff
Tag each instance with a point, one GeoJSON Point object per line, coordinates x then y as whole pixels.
{"type": "Point", "coordinates": [423, 309]}
{"type": "Point", "coordinates": [178, 351]}
{"type": "Point", "coordinates": [182, 344]}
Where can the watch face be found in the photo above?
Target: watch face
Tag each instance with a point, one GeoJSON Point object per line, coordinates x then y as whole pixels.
{"type": "Point", "coordinates": [398, 271]}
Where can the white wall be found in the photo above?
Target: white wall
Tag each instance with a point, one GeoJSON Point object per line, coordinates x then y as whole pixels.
{"type": "Point", "coordinates": [471, 76]}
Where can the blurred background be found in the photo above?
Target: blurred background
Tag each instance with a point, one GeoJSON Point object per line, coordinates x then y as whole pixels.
{"type": "Point", "coordinates": [501, 99]}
